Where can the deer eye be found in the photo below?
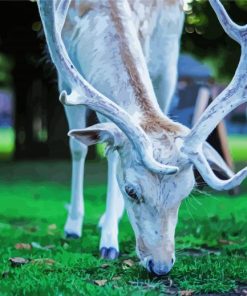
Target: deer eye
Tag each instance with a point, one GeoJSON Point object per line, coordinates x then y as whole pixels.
{"type": "Point", "coordinates": [133, 194]}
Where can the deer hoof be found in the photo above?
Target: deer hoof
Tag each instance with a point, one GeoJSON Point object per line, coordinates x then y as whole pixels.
{"type": "Point", "coordinates": [71, 235]}
{"type": "Point", "coordinates": [109, 253]}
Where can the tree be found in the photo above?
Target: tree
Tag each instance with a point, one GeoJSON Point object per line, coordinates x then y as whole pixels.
{"type": "Point", "coordinates": [204, 37]}
{"type": "Point", "coordinates": [6, 66]}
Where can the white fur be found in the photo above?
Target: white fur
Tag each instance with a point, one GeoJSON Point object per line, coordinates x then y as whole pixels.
{"type": "Point", "coordinates": [145, 158]}
{"type": "Point", "coordinates": [76, 118]}
{"type": "Point", "coordinates": [114, 206]}
{"type": "Point", "coordinates": [100, 64]}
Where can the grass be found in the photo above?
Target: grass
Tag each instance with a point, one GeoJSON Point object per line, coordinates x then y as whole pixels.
{"type": "Point", "coordinates": [211, 239]}
{"type": "Point", "coordinates": [238, 147]}
{"type": "Point", "coordinates": [7, 143]}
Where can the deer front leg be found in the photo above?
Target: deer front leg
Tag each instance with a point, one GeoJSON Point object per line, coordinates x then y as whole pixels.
{"type": "Point", "coordinates": [109, 247]}
{"type": "Point", "coordinates": [73, 226]}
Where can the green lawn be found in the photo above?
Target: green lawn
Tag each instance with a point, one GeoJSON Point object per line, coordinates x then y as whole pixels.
{"type": "Point", "coordinates": [211, 240]}
{"type": "Point", "coordinates": [238, 147]}
{"type": "Point", "coordinates": [7, 143]}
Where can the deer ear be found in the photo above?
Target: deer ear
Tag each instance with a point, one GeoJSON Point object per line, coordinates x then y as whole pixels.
{"type": "Point", "coordinates": [99, 133]}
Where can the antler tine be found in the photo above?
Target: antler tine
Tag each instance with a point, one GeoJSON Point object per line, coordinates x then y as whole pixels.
{"type": "Point", "coordinates": [61, 12]}
{"type": "Point", "coordinates": [233, 96]}
{"type": "Point", "coordinates": [211, 179]}
{"type": "Point", "coordinates": [230, 27]}
{"type": "Point", "coordinates": [83, 93]}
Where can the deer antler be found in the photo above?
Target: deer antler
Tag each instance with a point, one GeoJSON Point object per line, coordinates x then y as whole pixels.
{"type": "Point", "coordinates": [85, 94]}
{"type": "Point", "coordinates": [234, 95]}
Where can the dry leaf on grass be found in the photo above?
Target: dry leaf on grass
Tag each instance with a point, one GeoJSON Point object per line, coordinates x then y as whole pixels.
{"type": "Point", "coordinates": [100, 282]}
{"type": "Point", "coordinates": [142, 284]}
{"type": "Point", "coordinates": [49, 247]}
{"type": "Point", "coordinates": [128, 263]}
{"type": "Point", "coordinates": [45, 261]}
{"type": "Point", "coordinates": [116, 278]}
{"type": "Point", "coordinates": [104, 266]}
{"type": "Point", "coordinates": [52, 227]}
{"type": "Point", "coordinates": [18, 261]}
{"type": "Point", "coordinates": [226, 242]}
{"type": "Point", "coordinates": [186, 293]}
{"type": "Point", "coordinates": [23, 246]}
{"type": "Point", "coordinates": [38, 246]}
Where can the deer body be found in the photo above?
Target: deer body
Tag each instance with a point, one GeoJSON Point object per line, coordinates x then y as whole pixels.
{"type": "Point", "coordinates": [117, 46]}
{"type": "Point", "coordinates": [119, 59]}
{"type": "Point", "coordinates": [114, 46]}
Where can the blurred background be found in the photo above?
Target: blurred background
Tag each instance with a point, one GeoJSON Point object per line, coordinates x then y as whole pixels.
{"type": "Point", "coordinates": [32, 121]}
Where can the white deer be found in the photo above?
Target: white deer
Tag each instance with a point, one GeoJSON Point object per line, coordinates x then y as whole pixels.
{"type": "Point", "coordinates": [118, 58]}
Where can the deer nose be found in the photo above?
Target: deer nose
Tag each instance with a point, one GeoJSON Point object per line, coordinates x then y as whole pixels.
{"type": "Point", "coordinates": [160, 268]}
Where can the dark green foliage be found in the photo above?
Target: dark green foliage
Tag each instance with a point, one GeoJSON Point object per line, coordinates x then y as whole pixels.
{"type": "Point", "coordinates": [6, 65]}
{"type": "Point", "coordinates": [204, 37]}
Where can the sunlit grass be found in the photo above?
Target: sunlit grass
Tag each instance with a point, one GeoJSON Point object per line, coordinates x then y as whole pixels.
{"type": "Point", "coordinates": [238, 147]}
{"type": "Point", "coordinates": [7, 142]}
{"type": "Point", "coordinates": [211, 239]}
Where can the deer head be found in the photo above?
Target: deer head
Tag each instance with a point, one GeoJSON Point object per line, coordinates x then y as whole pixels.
{"type": "Point", "coordinates": [156, 155]}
